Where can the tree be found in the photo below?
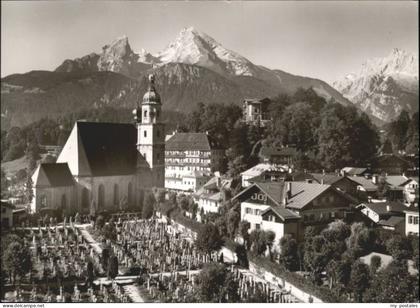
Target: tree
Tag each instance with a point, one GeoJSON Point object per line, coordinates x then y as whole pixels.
{"type": "Point", "coordinates": [211, 283]}
{"type": "Point", "coordinates": [209, 239]}
{"type": "Point", "coordinates": [359, 279]}
{"type": "Point", "coordinates": [361, 239]}
{"type": "Point", "coordinates": [375, 263]}
{"type": "Point", "coordinates": [233, 219]}
{"type": "Point", "coordinates": [112, 267]}
{"type": "Point", "coordinates": [289, 252]}
{"type": "Point", "coordinates": [90, 272]}
{"type": "Point", "coordinates": [243, 231]}
{"type": "Point", "coordinates": [399, 247]}
{"type": "Point", "coordinates": [4, 181]}
{"type": "Point", "coordinates": [105, 257]}
{"type": "Point", "coordinates": [317, 255]}
{"type": "Point", "coordinates": [393, 284]}
{"type": "Point", "coordinates": [242, 255]}
{"type": "Point", "coordinates": [148, 207]}
{"type": "Point", "coordinates": [29, 193]}
{"type": "Point", "coordinates": [258, 241]}
{"type": "Point", "coordinates": [17, 260]}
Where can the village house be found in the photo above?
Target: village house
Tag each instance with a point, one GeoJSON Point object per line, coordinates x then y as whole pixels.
{"type": "Point", "coordinates": [367, 188]}
{"type": "Point", "coordinates": [263, 170]}
{"type": "Point", "coordinates": [189, 159]}
{"type": "Point", "coordinates": [412, 220]}
{"type": "Point", "coordinates": [342, 183]}
{"type": "Point", "coordinates": [106, 166]}
{"type": "Point", "coordinates": [391, 164]}
{"type": "Point", "coordinates": [402, 188]}
{"type": "Point", "coordinates": [212, 195]}
{"type": "Point", "coordinates": [298, 203]}
{"type": "Point", "coordinates": [353, 171]}
{"type": "Point", "coordinates": [278, 155]}
{"type": "Point", "coordinates": [387, 215]}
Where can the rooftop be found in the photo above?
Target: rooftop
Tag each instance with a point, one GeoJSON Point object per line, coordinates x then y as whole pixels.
{"type": "Point", "coordinates": [191, 142]}
{"type": "Point", "coordinates": [53, 175]}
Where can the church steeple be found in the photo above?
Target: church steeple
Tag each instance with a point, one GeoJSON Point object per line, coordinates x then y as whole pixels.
{"type": "Point", "coordinates": [151, 132]}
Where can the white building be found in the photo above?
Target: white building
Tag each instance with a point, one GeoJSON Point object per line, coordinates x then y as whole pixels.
{"type": "Point", "coordinates": [211, 195]}
{"type": "Point", "coordinates": [412, 220]}
{"type": "Point", "coordinates": [258, 170]}
{"type": "Point", "coordinates": [189, 158]}
{"type": "Point", "coordinates": [407, 185]}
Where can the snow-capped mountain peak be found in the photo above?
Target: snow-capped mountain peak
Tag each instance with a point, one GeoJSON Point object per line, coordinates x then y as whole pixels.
{"type": "Point", "coordinates": [192, 46]}
{"type": "Point", "coordinates": [384, 86]}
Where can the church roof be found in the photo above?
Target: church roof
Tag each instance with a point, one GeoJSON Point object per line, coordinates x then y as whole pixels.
{"type": "Point", "coordinates": [191, 142]}
{"type": "Point", "coordinates": [101, 149]}
{"type": "Point", "coordinates": [110, 148]}
{"type": "Point", "coordinates": [53, 175]}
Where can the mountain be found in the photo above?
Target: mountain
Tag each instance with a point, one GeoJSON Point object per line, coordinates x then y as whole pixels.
{"type": "Point", "coordinates": [193, 68]}
{"type": "Point", "coordinates": [384, 86]}
{"type": "Point", "coordinates": [117, 57]}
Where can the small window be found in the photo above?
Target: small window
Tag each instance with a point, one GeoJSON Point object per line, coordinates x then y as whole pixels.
{"type": "Point", "coordinates": [145, 133]}
{"type": "Point", "coordinates": [410, 219]}
{"type": "Point", "coordinates": [257, 226]}
{"type": "Point", "coordinates": [145, 113]}
{"type": "Point", "coordinates": [416, 220]}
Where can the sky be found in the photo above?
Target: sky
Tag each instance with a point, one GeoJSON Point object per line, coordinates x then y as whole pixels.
{"type": "Point", "coordinates": [326, 40]}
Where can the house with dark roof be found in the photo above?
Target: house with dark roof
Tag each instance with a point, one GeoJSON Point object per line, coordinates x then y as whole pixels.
{"type": "Point", "coordinates": [388, 215]}
{"type": "Point", "coordinates": [342, 183]}
{"type": "Point", "coordinates": [189, 159]}
{"type": "Point", "coordinates": [352, 171]}
{"type": "Point", "coordinates": [285, 155]}
{"type": "Point", "coordinates": [106, 166]}
{"type": "Point", "coordinates": [306, 203]}
{"type": "Point", "coordinates": [391, 164]}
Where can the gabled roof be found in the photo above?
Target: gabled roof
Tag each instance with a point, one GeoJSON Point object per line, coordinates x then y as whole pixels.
{"type": "Point", "coordinates": [391, 221]}
{"type": "Point", "coordinates": [53, 175]}
{"type": "Point", "coordinates": [367, 184]}
{"type": "Point", "coordinates": [268, 151]}
{"type": "Point", "coordinates": [257, 101]}
{"type": "Point", "coordinates": [397, 180]}
{"type": "Point", "coordinates": [273, 190]}
{"type": "Point", "coordinates": [282, 212]}
{"type": "Point", "coordinates": [191, 142]}
{"type": "Point", "coordinates": [260, 168]}
{"type": "Point", "coordinates": [101, 149]}
{"type": "Point", "coordinates": [211, 185]}
{"type": "Point", "coordinates": [354, 170]}
{"type": "Point", "coordinates": [303, 193]}
{"type": "Point", "coordinates": [381, 208]}
{"type": "Point", "coordinates": [327, 178]}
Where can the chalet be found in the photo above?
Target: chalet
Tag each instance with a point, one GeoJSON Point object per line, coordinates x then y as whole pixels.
{"type": "Point", "coordinates": [352, 171]}
{"type": "Point", "coordinates": [388, 215]}
{"type": "Point", "coordinates": [212, 194]}
{"type": "Point", "coordinates": [391, 164]}
{"type": "Point", "coordinates": [366, 188]}
{"type": "Point", "coordinates": [402, 187]}
{"type": "Point", "coordinates": [278, 155]}
{"type": "Point", "coordinates": [342, 183]}
{"type": "Point", "coordinates": [262, 170]}
{"type": "Point", "coordinates": [306, 203]}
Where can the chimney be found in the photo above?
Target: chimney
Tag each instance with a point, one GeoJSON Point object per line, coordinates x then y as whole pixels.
{"type": "Point", "coordinates": [322, 181]}
{"type": "Point", "coordinates": [289, 190]}
{"type": "Point", "coordinates": [375, 179]}
{"type": "Point", "coordinates": [388, 208]}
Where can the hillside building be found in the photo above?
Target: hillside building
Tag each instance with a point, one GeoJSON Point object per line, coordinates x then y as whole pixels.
{"type": "Point", "coordinates": [105, 166]}
{"type": "Point", "coordinates": [255, 111]}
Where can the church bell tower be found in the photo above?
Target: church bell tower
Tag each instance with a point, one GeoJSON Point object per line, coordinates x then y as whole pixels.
{"type": "Point", "coordinates": [151, 133]}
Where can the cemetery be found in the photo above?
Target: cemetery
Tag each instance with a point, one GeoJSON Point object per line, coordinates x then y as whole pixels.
{"type": "Point", "coordinates": [127, 260]}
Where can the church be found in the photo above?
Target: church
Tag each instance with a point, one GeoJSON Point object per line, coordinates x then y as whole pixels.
{"type": "Point", "coordinates": [105, 166]}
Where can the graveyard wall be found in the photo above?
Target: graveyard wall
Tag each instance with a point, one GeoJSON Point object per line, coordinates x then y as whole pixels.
{"type": "Point", "coordinates": [301, 295]}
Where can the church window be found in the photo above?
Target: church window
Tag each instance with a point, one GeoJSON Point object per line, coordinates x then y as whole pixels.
{"type": "Point", "coordinates": [116, 194]}
{"type": "Point", "coordinates": [63, 202]}
{"type": "Point", "coordinates": [43, 201]}
{"type": "Point", "coordinates": [145, 113]}
{"type": "Point", "coordinates": [145, 133]}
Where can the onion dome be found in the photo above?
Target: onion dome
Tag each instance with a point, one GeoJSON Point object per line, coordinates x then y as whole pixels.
{"type": "Point", "coordinates": [151, 96]}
